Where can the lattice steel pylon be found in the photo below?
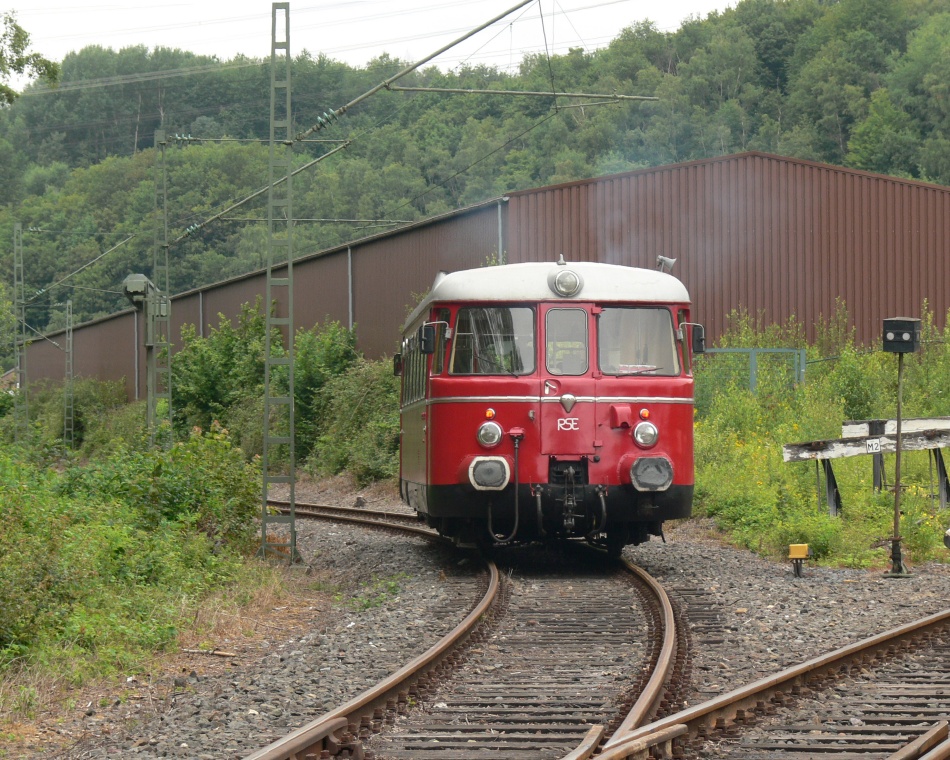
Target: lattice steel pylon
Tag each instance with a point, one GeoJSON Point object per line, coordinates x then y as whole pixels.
{"type": "Point", "coordinates": [21, 409]}
{"type": "Point", "coordinates": [159, 369]}
{"type": "Point", "coordinates": [69, 416]}
{"type": "Point", "coordinates": [278, 357]}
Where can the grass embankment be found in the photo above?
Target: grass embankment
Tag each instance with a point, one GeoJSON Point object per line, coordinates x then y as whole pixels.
{"type": "Point", "coordinates": [103, 566]}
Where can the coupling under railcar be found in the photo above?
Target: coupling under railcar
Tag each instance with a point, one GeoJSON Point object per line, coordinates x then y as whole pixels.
{"type": "Point", "coordinates": [544, 401]}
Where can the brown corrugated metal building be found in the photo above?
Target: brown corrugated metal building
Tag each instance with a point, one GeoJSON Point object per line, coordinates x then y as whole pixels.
{"type": "Point", "coordinates": [775, 236]}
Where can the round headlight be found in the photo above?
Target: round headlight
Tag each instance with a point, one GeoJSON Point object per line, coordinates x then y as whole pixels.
{"type": "Point", "coordinates": [489, 434]}
{"type": "Point", "coordinates": [567, 283]}
{"type": "Point", "coordinates": [645, 434]}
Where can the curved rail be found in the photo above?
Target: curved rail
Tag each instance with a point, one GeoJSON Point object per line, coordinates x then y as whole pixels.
{"type": "Point", "coordinates": [319, 734]}
{"type": "Point", "coordinates": [310, 510]}
{"type": "Point", "coordinates": [406, 523]}
{"type": "Point", "coordinates": [649, 700]}
{"type": "Point", "coordinates": [660, 734]}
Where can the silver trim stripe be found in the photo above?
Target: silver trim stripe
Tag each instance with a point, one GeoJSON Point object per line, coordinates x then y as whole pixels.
{"type": "Point", "coordinates": [557, 400]}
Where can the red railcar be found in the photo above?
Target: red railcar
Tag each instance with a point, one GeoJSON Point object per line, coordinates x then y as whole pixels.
{"type": "Point", "coordinates": [546, 401]}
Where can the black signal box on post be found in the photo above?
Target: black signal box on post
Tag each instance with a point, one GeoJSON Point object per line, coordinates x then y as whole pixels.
{"type": "Point", "coordinates": [901, 335]}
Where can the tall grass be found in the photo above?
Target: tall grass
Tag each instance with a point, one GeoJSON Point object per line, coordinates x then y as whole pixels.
{"type": "Point", "coordinates": [765, 504]}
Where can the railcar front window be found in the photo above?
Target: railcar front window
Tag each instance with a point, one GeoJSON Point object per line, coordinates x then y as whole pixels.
{"type": "Point", "coordinates": [493, 340]}
{"type": "Point", "coordinates": [637, 341]}
{"type": "Point", "coordinates": [566, 341]}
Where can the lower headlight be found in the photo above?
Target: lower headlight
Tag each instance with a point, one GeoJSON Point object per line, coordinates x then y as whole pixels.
{"type": "Point", "coordinates": [489, 473]}
{"type": "Point", "coordinates": [646, 434]}
{"type": "Point", "coordinates": [651, 474]}
{"type": "Point", "coordinates": [489, 434]}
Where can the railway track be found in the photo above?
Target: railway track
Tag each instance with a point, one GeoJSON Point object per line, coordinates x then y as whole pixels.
{"type": "Point", "coordinates": [583, 651]}
{"type": "Point", "coordinates": [358, 515]}
{"type": "Point", "coordinates": [885, 697]}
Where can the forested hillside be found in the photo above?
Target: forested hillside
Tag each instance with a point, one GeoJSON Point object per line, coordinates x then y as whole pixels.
{"type": "Point", "coordinates": [863, 83]}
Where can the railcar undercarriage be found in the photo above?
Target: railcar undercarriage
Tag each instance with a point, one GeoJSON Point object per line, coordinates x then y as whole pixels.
{"type": "Point", "coordinates": [568, 508]}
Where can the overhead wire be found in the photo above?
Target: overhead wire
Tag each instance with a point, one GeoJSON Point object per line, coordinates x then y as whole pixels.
{"type": "Point", "coordinates": [548, 56]}
{"type": "Point", "coordinates": [88, 264]}
{"type": "Point", "coordinates": [365, 130]}
{"type": "Point", "coordinates": [474, 163]}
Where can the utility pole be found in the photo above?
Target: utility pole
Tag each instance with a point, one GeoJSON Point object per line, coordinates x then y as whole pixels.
{"type": "Point", "coordinates": [279, 397]}
{"type": "Point", "coordinates": [160, 371]}
{"type": "Point", "coordinates": [21, 410]}
{"type": "Point", "coordinates": [69, 416]}
{"type": "Point", "coordinates": [143, 294]}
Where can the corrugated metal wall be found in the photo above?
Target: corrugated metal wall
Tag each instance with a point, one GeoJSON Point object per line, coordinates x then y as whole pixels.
{"type": "Point", "coordinates": [776, 236]}
{"type": "Point", "coordinates": [773, 235]}
{"type": "Point", "coordinates": [105, 349]}
{"type": "Point", "coordinates": [369, 283]}
{"type": "Point", "coordinates": [390, 272]}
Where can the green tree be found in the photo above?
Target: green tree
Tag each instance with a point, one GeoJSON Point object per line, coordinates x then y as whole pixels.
{"type": "Point", "coordinates": [885, 141]}
{"type": "Point", "coordinates": [321, 354]}
{"type": "Point", "coordinates": [7, 328]}
{"type": "Point", "coordinates": [213, 374]}
{"type": "Point", "coordinates": [15, 58]}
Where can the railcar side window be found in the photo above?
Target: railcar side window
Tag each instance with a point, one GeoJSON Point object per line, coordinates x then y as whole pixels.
{"type": "Point", "coordinates": [565, 333]}
{"type": "Point", "coordinates": [438, 358]}
{"type": "Point", "coordinates": [414, 370]}
{"type": "Point", "coordinates": [681, 319]}
{"type": "Point", "coordinates": [637, 341]}
{"type": "Point", "coordinates": [493, 340]}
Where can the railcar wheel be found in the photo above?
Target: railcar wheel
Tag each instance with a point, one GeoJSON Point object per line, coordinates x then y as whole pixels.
{"type": "Point", "coordinates": [616, 540]}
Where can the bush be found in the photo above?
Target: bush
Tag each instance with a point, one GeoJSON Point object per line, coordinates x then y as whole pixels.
{"type": "Point", "coordinates": [204, 482]}
{"type": "Point", "coordinates": [320, 356]}
{"type": "Point", "coordinates": [123, 427]}
{"type": "Point", "coordinates": [213, 374]}
{"type": "Point", "coordinates": [362, 423]}
{"type": "Point", "coordinates": [94, 402]}
{"type": "Point", "coordinates": [98, 564]}
{"type": "Point", "coordinates": [221, 379]}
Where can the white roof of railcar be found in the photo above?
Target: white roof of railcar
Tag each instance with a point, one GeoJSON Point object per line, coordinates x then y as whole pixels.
{"type": "Point", "coordinates": [529, 282]}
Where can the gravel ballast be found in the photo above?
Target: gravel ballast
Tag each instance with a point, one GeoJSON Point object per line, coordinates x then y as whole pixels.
{"type": "Point", "coordinates": [767, 619]}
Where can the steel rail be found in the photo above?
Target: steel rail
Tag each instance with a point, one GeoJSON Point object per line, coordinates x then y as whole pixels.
{"type": "Point", "coordinates": [638, 743]}
{"type": "Point", "coordinates": [646, 704]}
{"type": "Point", "coordinates": [314, 736]}
{"type": "Point", "coordinates": [934, 739]}
{"type": "Point", "coordinates": [588, 745]}
{"type": "Point", "coordinates": [649, 700]}
{"type": "Point", "coordinates": [349, 514]}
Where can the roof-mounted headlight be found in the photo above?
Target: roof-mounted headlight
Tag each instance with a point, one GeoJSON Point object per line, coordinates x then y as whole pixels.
{"type": "Point", "coordinates": [565, 282]}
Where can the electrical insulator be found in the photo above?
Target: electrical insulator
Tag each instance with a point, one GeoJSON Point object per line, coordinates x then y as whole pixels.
{"type": "Point", "coordinates": [327, 118]}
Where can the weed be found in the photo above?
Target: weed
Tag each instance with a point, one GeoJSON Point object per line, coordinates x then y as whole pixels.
{"type": "Point", "coordinates": [373, 594]}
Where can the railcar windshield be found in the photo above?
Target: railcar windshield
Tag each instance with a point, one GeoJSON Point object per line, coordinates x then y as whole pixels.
{"type": "Point", "coordinates": [493, 340]}
{"type": "Point", "coordinates": [566, 341]}
{"type": "Point", "coordinates": [637, 341]}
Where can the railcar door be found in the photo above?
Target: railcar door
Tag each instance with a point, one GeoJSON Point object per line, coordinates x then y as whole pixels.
{"type": "Point", "coordinates": [567, 398]}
